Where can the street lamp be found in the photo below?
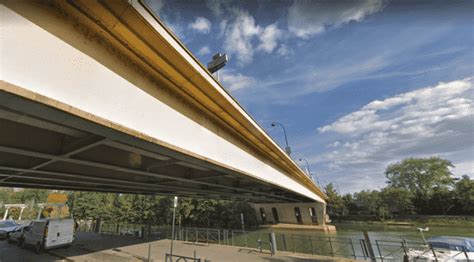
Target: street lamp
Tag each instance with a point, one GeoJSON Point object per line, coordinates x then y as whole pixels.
{"type": "Point", "coordinates": [307, 166]}
{"type": "Point", "coordinates": [175, 204]}
{"type": "Point", "coordinates": [287, 148]}
{"type": "Point", "coordinates": [308, 171]}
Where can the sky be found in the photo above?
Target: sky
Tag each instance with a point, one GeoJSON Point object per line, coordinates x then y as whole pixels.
{"type": "Point", "coordinates": [358, 84]}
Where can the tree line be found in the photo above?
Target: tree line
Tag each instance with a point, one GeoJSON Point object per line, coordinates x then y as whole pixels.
{"type": "Point", "coordinates": [415, 186]}
{"type": "Point", "coordinates": [136, 209]}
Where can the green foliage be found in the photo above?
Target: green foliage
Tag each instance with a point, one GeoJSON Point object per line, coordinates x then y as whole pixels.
{"type": "Point", "coordinates": [422, 186]}
{"type": "Point", "coordinates": [335, 203]}
{"type": "Point", "coordinates": [368, 202]}
{"type": "Point", "coordinates": [420, 175]}
{"type": "Point", "coordinates": [398, 200]}
{"type": "Point", "coordinates": [464, 195]}
{"type": "Point", "coordinates": [140, 209]}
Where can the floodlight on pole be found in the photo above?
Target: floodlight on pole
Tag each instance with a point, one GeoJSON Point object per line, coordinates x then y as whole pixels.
{"type": "Point", "coordinates": [287, 148]}
{"type": "Point", "coordinates": [218, 62]}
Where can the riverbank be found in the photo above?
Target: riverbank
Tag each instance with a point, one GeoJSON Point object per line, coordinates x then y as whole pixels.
{"type": "Point", "coordinates": [444, 221]}
{"type": "Point", "coordinates": [297, 227]}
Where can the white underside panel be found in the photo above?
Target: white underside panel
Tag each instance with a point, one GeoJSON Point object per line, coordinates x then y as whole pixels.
{"type": "Point", "coordinates": [34, 59]}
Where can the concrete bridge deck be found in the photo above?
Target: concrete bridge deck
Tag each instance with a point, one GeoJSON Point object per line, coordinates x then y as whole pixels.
{"type": "Point", "coordinates": [101, 96]}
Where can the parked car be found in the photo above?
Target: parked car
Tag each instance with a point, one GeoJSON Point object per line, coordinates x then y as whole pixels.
{"type": "Point", "coordinates": [6, 227]}
{"type": "Point", "coordinates": [18, 234]}
{"type": "Point", "coordinates": [49, 233]}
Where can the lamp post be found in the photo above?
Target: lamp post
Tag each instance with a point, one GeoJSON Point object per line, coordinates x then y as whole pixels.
{"type": "Point", "coordinates": [287, 148]}
{"type": "Point", "coordinates": [309, 172]}
{"type": "Point", "coordinates": [175, 204]}
{"type": "Point", "coordinates": [307, 166]}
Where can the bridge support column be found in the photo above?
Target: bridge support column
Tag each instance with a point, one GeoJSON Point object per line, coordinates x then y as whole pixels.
{"type": "Point", "coordinates": [311, 213]}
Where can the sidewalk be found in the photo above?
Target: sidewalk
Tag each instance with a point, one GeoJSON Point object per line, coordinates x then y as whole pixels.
{"type": "Point", "coordinates": [94, 247]}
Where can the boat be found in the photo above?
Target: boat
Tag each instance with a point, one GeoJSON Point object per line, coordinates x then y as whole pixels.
{"type": "Point", "coordinates": [446, 249]}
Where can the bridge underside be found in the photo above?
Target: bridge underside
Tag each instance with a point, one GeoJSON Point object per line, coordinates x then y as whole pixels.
{"type": "Point", "coordinates": [44, 147]}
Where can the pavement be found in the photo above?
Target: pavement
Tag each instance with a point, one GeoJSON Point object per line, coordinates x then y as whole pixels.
{"type": "Point", "coordinates": [93, 247]}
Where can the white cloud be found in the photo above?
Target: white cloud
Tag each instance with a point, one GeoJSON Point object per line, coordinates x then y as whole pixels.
{"type": "Point", "coordinates": [346, 63]}
{"type": "Point", "coordinates": [308, 18]}
{"type": "Point", "coordinates": [435, 120]}
{"type": "Point", "coordinates": [235, 81]}
{"type": "Point", "coordinates": [269, 37]}
{"type": "Point", "coordinates": [201, 24]}
{"type": "Point", "coordinates": [177, 29]}
{"type": "Point", "coordinates": [215, 6]}
{"type": "Point", "coordinates": [241, 34]}
{"type": "Point", "coordinates": [408, 111]}
{"type": "Point", "coordinates": [283, 50]}
{"type": "Point", "coordinates": [238, 36]}
{"type": "Point", "coordinates": [464, 168]}
{"type": "Point", "coordinates": [204, 51]}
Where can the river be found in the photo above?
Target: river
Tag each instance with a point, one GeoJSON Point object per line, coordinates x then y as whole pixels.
{"type": "Point", "coordinates": [346, 241]}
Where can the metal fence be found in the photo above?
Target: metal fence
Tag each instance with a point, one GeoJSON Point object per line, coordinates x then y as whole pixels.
{"type": "Point", "coordinates": [329, 246]}
{"type": "Point", "coordinates": [319, 245]}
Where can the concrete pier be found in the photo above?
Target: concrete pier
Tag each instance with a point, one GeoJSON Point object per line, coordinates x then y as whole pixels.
{"type": "Point", "coordinates": [310, 213]}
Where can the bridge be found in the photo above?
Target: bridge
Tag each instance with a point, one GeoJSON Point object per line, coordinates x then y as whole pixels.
{"type": "Point", "coordinates": [102, 96]}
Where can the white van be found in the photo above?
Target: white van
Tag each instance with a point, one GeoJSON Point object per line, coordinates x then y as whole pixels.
{"type": "Point", "coordinates": [49, 233]}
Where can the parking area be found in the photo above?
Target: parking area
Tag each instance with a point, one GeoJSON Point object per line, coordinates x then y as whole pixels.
{"type": "Point", "coordinates": [11, 252]}
{"type": "Point", "coordinates": [95, 247]}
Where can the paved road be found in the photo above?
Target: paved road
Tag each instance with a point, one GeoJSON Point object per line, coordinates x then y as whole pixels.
{"type": "Point", "coordinates": [11, 252]}
{"type": "Point", "coordinates": [95, 247]}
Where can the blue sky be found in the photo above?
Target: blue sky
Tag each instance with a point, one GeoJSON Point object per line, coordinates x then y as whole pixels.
{"type": "Point", "coordinates": [358, 84]}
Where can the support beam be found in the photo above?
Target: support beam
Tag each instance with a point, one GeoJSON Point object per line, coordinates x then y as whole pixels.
{"type": "Point", "coordinates": [95, 142]}
{"type": "Point", "coordinates": [127, 170]}
{"type": "Point", "coordinates": [166, 163]}
{"type": "Point", "coordinates": [66, 187]}
{"type": "Point", "coordinates": [139, 186]}
{"type": "Point", "coordinates": [39, 123]}
{"type": "Point", "coordinates": [198, 178]}
{"type": "Point", "coordinates": [139, 151]}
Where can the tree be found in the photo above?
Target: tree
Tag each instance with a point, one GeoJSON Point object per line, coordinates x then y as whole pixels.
{"type": "Point", "coordinates": [420, 175]}
{"type": "Point", "coordinates": [335, 204]}
{"type": "Point", "coordinates": [398, 200]}
{"type": "Point", "coordinates": [441, 201]}
{"type": "Point", "coordinates": [90, 205]}
{"type": "Point", "coordinates": [350, 204]}
{"type": "Point", "coordinates": [464, 194]}
{"type": "Point", "coordinates": [370, 203]}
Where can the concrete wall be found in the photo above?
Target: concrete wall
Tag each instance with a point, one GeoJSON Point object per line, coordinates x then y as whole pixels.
{"type": "Point", "coordinates": [286, 213]}
{"type": "Point", "coordinates": [35, 59]}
